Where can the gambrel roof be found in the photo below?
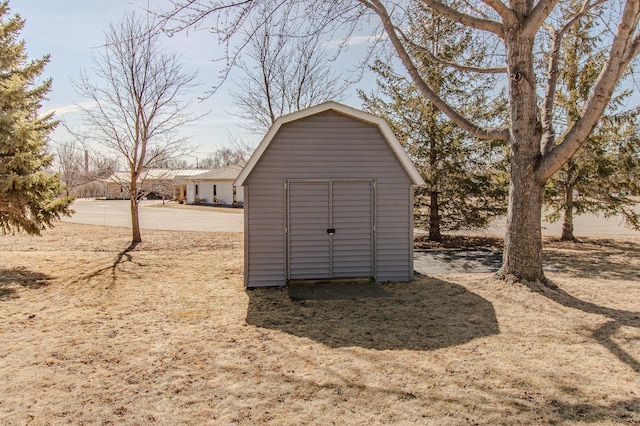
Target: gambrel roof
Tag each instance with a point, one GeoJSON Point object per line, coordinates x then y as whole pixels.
{"type": "Point", "coordinates": [382, 125]}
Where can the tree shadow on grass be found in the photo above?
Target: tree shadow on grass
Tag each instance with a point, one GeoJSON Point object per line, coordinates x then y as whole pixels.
{"type": "Point", "coordinates": [540, 408]}
{"type": "Point", "coordinates": [111, 269]}
{"type": "Point", "coordinates": [605, 334]}
{"type": "Point", "coordinates": [426, 314]}
{"type": "Point", "coordinates": [11, 279]}
{"type": "Point", "coordinates": [621, 412]}
{"type": "Point", "coordinates": [595, 257]}
{"type": "Point", "coordinates": [603, 258]}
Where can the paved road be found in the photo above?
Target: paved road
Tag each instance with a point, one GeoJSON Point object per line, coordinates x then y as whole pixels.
{"type": "Point", "coordinates": [584, 226]}
{"type": "Point", "coordinates": [155, 216]}
{"type": "Point", "coordinates": [196, 218]}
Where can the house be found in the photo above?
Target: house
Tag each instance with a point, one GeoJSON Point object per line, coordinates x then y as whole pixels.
{"type": "Point", "coordinates": [167, 183]}
{"type": "Point", "coordinates": [215, 187]}
{"type": "Point", "coordinates": [328, 194]}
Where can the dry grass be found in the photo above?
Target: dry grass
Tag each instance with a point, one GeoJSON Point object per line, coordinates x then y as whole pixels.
{"type": "Point", "coordinates": [166, 334]}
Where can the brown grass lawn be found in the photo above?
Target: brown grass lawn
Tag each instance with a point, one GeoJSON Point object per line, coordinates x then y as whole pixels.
{"type": "Point", "coordinates": [166, 334]}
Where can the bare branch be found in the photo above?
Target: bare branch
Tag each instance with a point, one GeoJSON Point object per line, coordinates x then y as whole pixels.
{"type": "Point", "coordinates": [471, 21]}
{"type": "Point", "coordinates": [622, 52]}
{"type": "Point", "coordinates": [423, 87]}
{"type": "Point", "coordinates": [459, 67]}
{"type": "Point", "coordinates": [635, 49]}
{"type": "Point", "coordinates": [537, 17]}
{"type": "Point", "coordinates": [548, 131]}
{"type": "Point", "coordinates": [191, 14]}
{"type": "Point", "coordinates": [501, 9]}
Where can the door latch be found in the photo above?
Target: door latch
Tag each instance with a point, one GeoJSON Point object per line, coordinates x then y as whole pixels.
{"type": "Point", "coordinates": [331, 231]}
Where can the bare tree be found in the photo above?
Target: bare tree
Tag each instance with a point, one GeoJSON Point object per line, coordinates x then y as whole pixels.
{"type": "Point", "coordinates": [236, 152]}
{"type": "Point", "coordinates": [174, 163]}
{"type": "Point", "coordinates": [83, 170]}
{"type": "Point", "coordinates": [283, 74]}
{"type": "Point", "coordinates": [101, 165]}
{"type": "Point", "coordinates": [138, 101]}
{"type": "Point", "coordinates": [71, 165]}
{"type": "Point", "coordinates": [521, 33]}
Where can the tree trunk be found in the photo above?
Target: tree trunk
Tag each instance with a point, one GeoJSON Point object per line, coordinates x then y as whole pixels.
{"type": "Point", "coordinates": [434, 217]}
{"type": "Point", "coordinates": [567, 224]}
{"type": "Point", "coordinates": [135, 220]}
{"type": "Point", "coordinates": [522, 258]}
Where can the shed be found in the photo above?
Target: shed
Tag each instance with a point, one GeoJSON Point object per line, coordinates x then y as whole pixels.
{"type": "Point", "coordinates": [328, 194]}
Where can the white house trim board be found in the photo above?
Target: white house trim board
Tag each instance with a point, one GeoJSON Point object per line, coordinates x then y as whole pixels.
{"type": "Point", "coordinates": [391, 139]}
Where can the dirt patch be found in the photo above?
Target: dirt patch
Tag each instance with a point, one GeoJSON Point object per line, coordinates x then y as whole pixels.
{"type": "Point", "coordinates": [451, 261]}
{"type": "Point", "coordinates": [165, 333]}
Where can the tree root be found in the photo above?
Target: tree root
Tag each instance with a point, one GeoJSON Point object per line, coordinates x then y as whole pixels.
{"type": "Point", "coordinates": [541, 285]}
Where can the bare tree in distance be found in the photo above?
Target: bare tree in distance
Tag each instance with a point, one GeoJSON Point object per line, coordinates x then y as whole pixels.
{"type": "Point", "coordinates": [237, 151]}
{"type": "Point", "coordinates": [138, 91]}
{"type": "Point", "coordinates": [223, 157]}
{"type": "Point", "coordinates": [69, 160]}
{"type": "Point", "coordinates": [521, 33]}
{"type": "Point", "coordinates": [101, 165]}
{"type": "Point", "coordinates": [282, 74]}
{"type": "Point", "coordinates": [175, 163]}
{"type": "Point", "coordinates": [82, 168]}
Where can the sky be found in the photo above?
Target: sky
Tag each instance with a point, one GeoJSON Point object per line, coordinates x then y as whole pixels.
{"type": "Point", "coordinates": [70, 30]}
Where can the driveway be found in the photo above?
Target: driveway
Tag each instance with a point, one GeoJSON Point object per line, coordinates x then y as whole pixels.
{"type": "Point", "coordinates": [153, 215]}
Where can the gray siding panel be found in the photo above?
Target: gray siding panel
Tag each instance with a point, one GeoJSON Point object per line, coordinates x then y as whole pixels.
{"type": "Point", "coordinates": [352, 218]}
{"type": "Point", "coordinates": [328, 146]}
{"type": "Point", "coordinates": [309, 245]}
{"type": "Point", "coordinates": [264, 243]}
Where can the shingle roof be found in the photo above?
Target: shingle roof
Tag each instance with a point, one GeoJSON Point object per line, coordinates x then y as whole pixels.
{"type": "Point", "coordinates": [225, 173]}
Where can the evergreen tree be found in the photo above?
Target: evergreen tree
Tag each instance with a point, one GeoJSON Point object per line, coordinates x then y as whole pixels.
{"type": "Point", "coordinates": [28, 196]}
{"type": "Point", "coordinates": [600, 177]}
{"type": "Point", "coordinates": [466, 178]}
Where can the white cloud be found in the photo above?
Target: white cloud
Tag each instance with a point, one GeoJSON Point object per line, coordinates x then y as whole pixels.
{"type": "Point", "coordinates": [357, 40]}
{"type": "Point", "coordinates": [59, 111]}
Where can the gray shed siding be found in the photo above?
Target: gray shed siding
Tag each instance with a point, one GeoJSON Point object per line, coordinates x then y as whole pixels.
{"type": "Point", "coordinates": [316, 206]}
{"type": "Point", "coordinates": [308, 217]}
{"type": "Point", "coordinates": [326, 146]}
